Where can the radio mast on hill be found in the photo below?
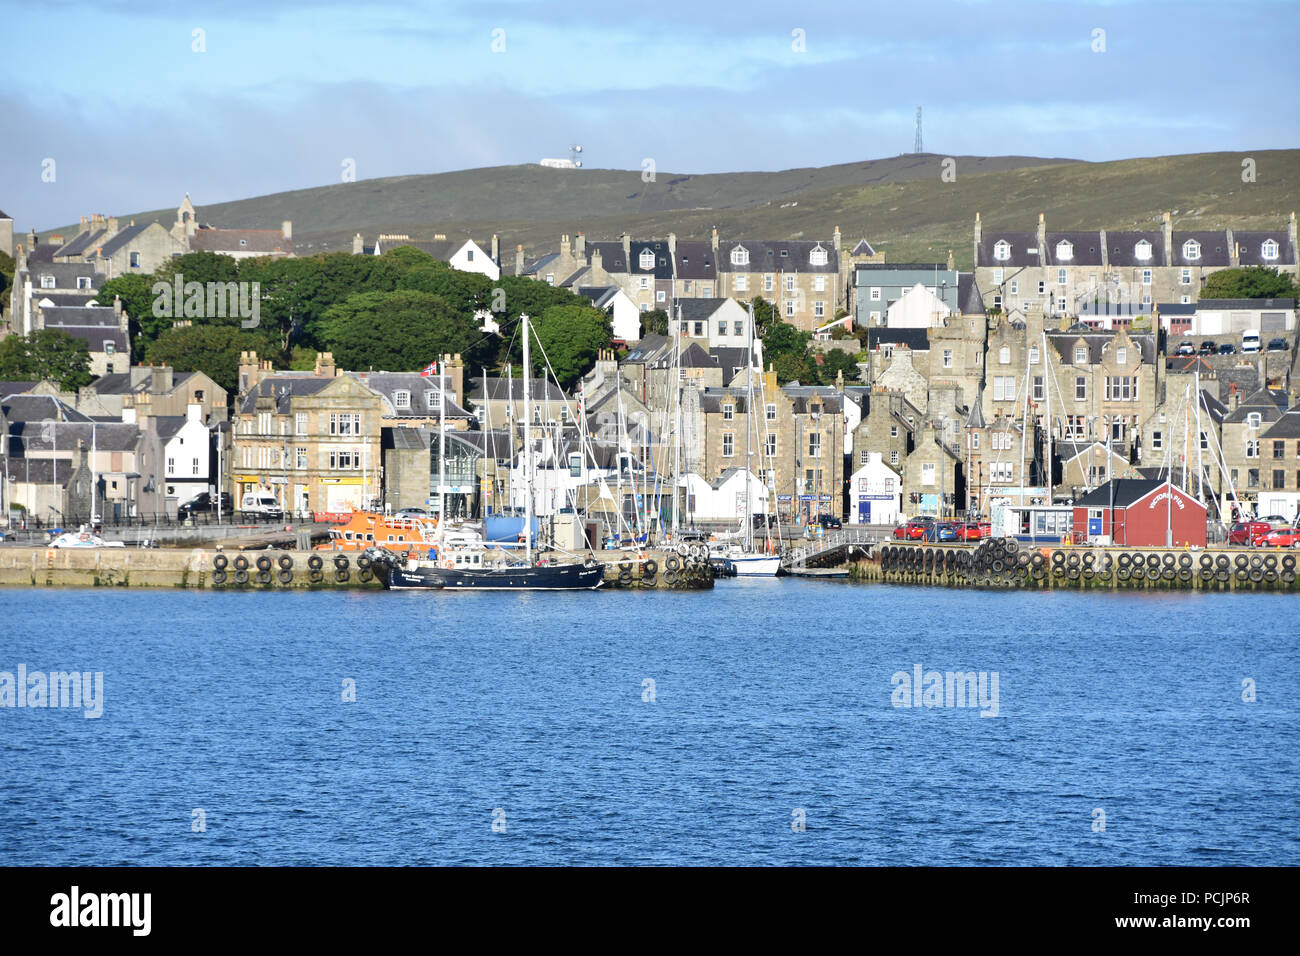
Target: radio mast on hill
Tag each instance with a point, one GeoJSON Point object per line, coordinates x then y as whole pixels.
{"type": "Point", "coordinates": [916, 147]}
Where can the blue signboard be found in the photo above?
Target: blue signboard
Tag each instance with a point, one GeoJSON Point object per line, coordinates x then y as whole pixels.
{"type": "Point", "coordinates": [783, 498]}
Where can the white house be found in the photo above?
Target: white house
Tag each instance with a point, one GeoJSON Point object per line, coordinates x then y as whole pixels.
{"type": "Point", "coordinates": [875, 492]}
{"type": "Point", "coordinates": [723, 499]}
{"type": "Point", "coordinates": [471, 257]}
{"type": "Point", "coordinates": [716, 323]}
{"type": "Point", "coordinates": [187, 455]}
{"type": "Point", "coordinates": [625, 318]}
{"type": "Point", "coordinates": [917, 308]}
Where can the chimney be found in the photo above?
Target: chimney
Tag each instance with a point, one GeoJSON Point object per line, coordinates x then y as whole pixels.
{"type": "Point", "coordinates": [249, 371]}
{"type": "Point", "coordinates": [325, 365]}
{"type": "Point", "coordinates": [714, 240]}
{"type": "Point", "coordinates": [1234, 396]}
{"type": "Point", "coordinates": [496, 249]}
{"type": "Point", "coordinates": [951, 266]}
{"type": "Point", "coordinates": [117, 306]}
{"type": "Point", "coordinates": [1234, 256]}
{"type": "Point", "coordinates": [112, 224]}
{"type": "Point", "coordinates": [519, 260]}
{"type": "Point", "coordinates": [580, 247]}
{"type": "Point", "coordinates": [1169, 239]}
{"type": "Point", "coordinates": [672, 249]}
{"type": "Point", "coordinates": [160, 379]}
{"type": "Point", "coordinates": [566, 250]}
{"type": "Point", "coordinates": [979, 232]}
{"type": "Point", "coordinates": [837, 239]}
{"type": "Point", "coordinates": [597, 262]}
{"type": "Point", "coordinates": [455, 368]}
{"type": "Point", "coordinates": [1291, 231]}
{"type": "Point", "coordinates": [286, 229]}
{"type": "Point", "coordinates": [194, 412]}
{"type": "Point", "coordinates": [358, 245]}
{"type": "Point", "coordinates": [627, 251]}
{"type": "Point", "coordinates": [1042, 237]}
{"type": "Point", "coordinates": [83, 224]}
{"type": "Point", "coordinates": [128, 411]}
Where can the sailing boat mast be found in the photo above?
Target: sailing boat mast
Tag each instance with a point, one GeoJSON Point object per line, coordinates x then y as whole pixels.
{"type": "Point", "coordinates": [677, 426]}
{"type": "Point", "coordinates": [749, 428]}
{"type": "Point", "coordinates": [528, 451]}
{"type": "Point", "coordinates": [442, 447]}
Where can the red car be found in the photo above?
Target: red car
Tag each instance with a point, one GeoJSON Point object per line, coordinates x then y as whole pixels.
{"type": "Point", "coordinates": [1245, 532]}
{"type": "Point", "coordinates": [914, 530]}
{"type": "Point", "coordinates": [974, 530]}
{"type": "Point", "coordinates": [1284, 538]}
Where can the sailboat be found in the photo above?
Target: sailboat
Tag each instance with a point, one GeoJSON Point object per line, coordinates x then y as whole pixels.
{"type": "Point", "coordinates": [748, 560]}
{"type": "Point", "coordinates": [459, 566]}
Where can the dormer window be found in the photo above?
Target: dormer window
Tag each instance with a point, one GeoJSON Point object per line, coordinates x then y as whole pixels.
{"type": "Point", "coordinates": [433, 398]}
{"type": "Point", "coordinates": [818, 256]}
{"type": "Point", "coordinates": [1080, 355]}
{"type": "Point", "coordinates": [647, 259]}
{"type": "Point", "coordinates": [1269, 249]}
{"type": "Point", "coordinates": [1142, 251]}
{"type": "Point", "coordinates": [47, 282]}
{"type": "Point", "coordinates": [1002, 250]}
{"type": "Point", "coordinates": [1191, 250]}
{"type": "Point", "coordinates": [740, 256]}
{"type": "Point", "coordinates": [1253, 420]}
{"type": "Point", "coordinates": [1064, 250]}
{"type": "Point", "coordinates": [402, 399]}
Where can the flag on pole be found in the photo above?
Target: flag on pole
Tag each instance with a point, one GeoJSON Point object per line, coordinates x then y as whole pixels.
{"type": "Point", "coordinates": [429, 370]}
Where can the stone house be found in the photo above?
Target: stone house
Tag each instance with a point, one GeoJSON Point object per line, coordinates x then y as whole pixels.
{"type": "Point", "coordinates": [933, 478]}
{"type": "Point", "coordinates": [1246, 457]}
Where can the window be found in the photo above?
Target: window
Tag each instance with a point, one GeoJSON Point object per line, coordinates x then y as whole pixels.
{"type": "Point", "coordinates": [893, 431]}
{"type": "Point", "coordinates": [893, 458]}
{"type": "Point", "coordinates": [997, 276]}
{"type": "Point", "coordinates": [345, 423]}
{"type": "Point", "coordinates": [1080, 388]}
{"type": "Point", "coordinates": [974, 441]}
{"type": "Point", "coordinates": [1042, 287]}
{"type": "Point", "coordinates": [1002, 250]}
{"type": "Point", "coordinates": [1191, 252]}
{"type": "Point", "coordinates": [740, 256]}
{"type": "Point", "coordinates": [1121, 388]}
{"type": "Point", "coordinates": [818, 256]}
{"type": "Point", "coordinates": [1004, 356]}
{"type": "Point", "coordinates": [433, 399]}
{"type": "Point", "coordinates": [171, 466]}
{"type": "Point", "coordinates": [575, 466]}
{"type": "Point", "coordinates": [1002, 472]}
{"type": "Point", "coordinates": [728, 445]}
{"type": "Point", "coordinates": [769, 283]}
{"type": "Point", "coordinates": [1279, 479]}
{"type": "Point", "coordinates": [819, 309]}
{"type": "Point", "coordinates": [109, 347]}
{"type": "Point", "coordinates": [740, 283]}
{"type": "Point", "coordinates": [1074, 426]}
{"type": "Point", "coordinates": [1015, 287]}
{"type": "Point", "coordinates": [887, 351]}
{"type": "Point", "coordinates": [1252, 448]}
{"type": "Point", "coordinates": [1252, 420]}
{"type": "Point", "coordinates": [1000, 441]}
{"type": "Point", "coordinates": [947, 358]}
{"type": "Point", "coordinates": [1064, 252]}
{"type": "Point", "coordinates": [1157, 441]}
{"type": "Point", "coordinates": [1186, 277]}
{"type": "Point", "coordinates": [1252, 478]}
{"type": "Point", "coordinates": [1146, 276]}
{"type": "Point", "coordinates": [83, 282]}
{"type": "Point", "coordinates": [135, 260]}
{"type": "Point", "coordinates": [1060, 277]}
{"type": "Point", "coordinates": [1142, 251]}
{"type": "Point", "coordinates": [1080, 355]}
{"type": "Point", "coordinates": [728, 412]}
{"type": "Point", "coordinates": [819, 284]}
{"type": "Point", "coordinates": [47, 282]}
{"type": "Point", "coordinates": [1269, 249]}
{"type": "Point", "coordinates": [469, 255]}
{"type": "Point", "coordinates": [1205, 442]}
{"type": "Point", "coordinates": [722, 328]}
{"type": "Point", "coordinates": [301, 458]}
{"type": "Point", "coordinates": [661, 296]}
{"type": "Point", "coordinates": [402, 399]}
{"type": "Point", "coordinates": [875, 294]}
{"type": "Point", "coordinates": [1121, 356]}
{"type": "Point", "coordinates": [927, 473]}
{"type": "Point", "coordinates": [1279, 449]}
{"type": "Point", "coordinates": [769, 446]}
{"type": "Point", "coordinates": [550, 279]}
{"type": "Point", "coordinates": [789, 283]}
{"type": "Point", "coordinates": [864, 457]}
{"type": "Point", "coordinates": [645, 283]}
{"type": "Point", "coordinates": [564, 414]}
{"type": "Point", "coordinates": [789, 307]}
{"type": "Point", "coordinates": [1186, 300]}
{"type": "Point", "coordinates": [1038, 388]}
{"type": "Point", "coordinates": [1004, 388]}
{"type": "Point", "coordinates": [264, 423]}
{"type": "Point", "coordinates": [814, 444]}
{"type": "Point", "coordinates": [738, 328]}
{"type": "Point", "coordinates": [646, 259]}
{"type": "Point", "coordinates": [699, 330]}
{"type": "Point", "coordinates": [771, 413]}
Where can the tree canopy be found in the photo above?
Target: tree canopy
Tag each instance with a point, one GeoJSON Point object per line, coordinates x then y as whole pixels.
{"type": "Point", "coordinates": [572, 336]}
{"type": "Point", "coordinates": [213, 349]}
{"type": "Point", "coordinates": [1251, 282]}
{"type": "Point", "coordinates": [401, 331]}
{"type": "Point", "coordinates": [46, 354]}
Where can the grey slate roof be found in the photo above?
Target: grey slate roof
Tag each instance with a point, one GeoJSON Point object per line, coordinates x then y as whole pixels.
{"type": "Point", "coordinates": [1287, 426]}
{"type": "Point", "coordinates": [167, 426]}
{"type": "Point", "coordinates": [503, 389]}
{"type": "Point", "coordinates": [1214, 248]}
{"type": "Point", "coordinates": [1086, 249]}
{"type": "Point", "coordinates": [38, 408]}
{"type": "Point", "coordinates": [284, 388]}
{"type": "Point", "coordinates": [1268, 403]}
{"type": "Point", "coordinates": [863, 248]}
{"type": "Point", "coordinates": [82, 241]}
{"type": "Point", "coordinates": [57, 316]}
{"type": "Point", "coordinates": [65, 275]}
{"type": "Point", "coordinates": [537, 266]}
{"type": "Point", "coordinates": [663, 264]}
{"type": "Point", "coordinates": [122, 238]}
{"type": "Point", "coordinates": [262, 241]}
{"type": "Point", "coordinates": [388, 384]}
{"type": "Point", "coordinates": [1123, 249]}
{"type": "Point", "coordinates": [647, 350]}
{"type": "Point", "coordinates": [40, 471]}
{"type": "Point", "coordinates": [1020, 243]}
{"type": "Point", "coordinates": [1097, 341]}
{"type": "Point", "coordinates": [1250, 247]}
{"type": "Point", "coordinates": [598, 296]}
{"type": "Point", "coordinates": [915, 339]}
{"type": "Point", "coordinates": [25, 437]}
{"type": "Point", "coordinates": [782, 255]}
{"type": "Point", "coordinates": [1127, 491]}
{"type": "Point", "coordinates": [1245, 304]}
{"type": "Point", "coordinates": [695, 261]}
{"type": "Point", "coordinates": [969, 300]}
{"type": "Point", "coordinates": [15, 388]}
{"type": "Point", "coordinates": [696, 309]}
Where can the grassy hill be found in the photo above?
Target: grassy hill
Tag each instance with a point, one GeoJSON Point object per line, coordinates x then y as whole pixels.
{"type": "Point", "coordinates": [900, 204]}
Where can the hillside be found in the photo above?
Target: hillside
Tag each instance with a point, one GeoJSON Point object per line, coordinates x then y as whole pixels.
{"type": "Point", "coordinates": [900, 204]}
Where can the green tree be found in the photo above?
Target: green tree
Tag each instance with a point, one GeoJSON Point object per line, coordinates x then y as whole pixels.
{"type": "Point", "coordinates": [836, 360]}
{"type": "Point", "coordinates": [136, 293]}
{"type": "Point", "coordinates": [654, 322]}
{"type": "Point", "coordinates": [46, 354]}
{"type": "Point", "coordinates": [213, 349]}
{"type": "Point", "coordinates": [571, 336]}
{"type": "Point", "coordinates": [786, 349]}
{"type": "Point", "coordinates": [7, 267]}
{"type": "Point", "coordinates": [401, 331]}
{"type": "Point", "coordinates": [199, 267]}
{"type": "Point", "coordinates": [1251, 282]}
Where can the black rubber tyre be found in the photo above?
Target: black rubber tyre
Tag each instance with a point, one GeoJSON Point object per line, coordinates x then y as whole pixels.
{"type": "Point", "coordinates": [1270, 576]}
{"type": "Point", "coordinates": [1037, 560]}
{"type": "Point", "coordinates": [1288, 576]}
{"type": "Point", "coordinates": [263, 563]}
{"type": "Point", "coordinates": [1184, 560]}
{"type": "Point", "coordinates": [315, 576]}
{"type": "Point", "coordinates": [1256, 562]}
{"type": "Point", "coordinates": [341, 562]}
{"type": "Point", "coordinates": [1207, 561]}
{"type": "Point", "coordinates": [670, 576]}
{"type": "Point", "coordinates": [650, 567]}
{"type": "Point", "coordinates": [241, 563]}
{"type": "Point", "coordinates": [218, 576]}
{"type": "Point", "coordinates": [1168, 560]}
{"type": "Point", "coordinates": [1073, 574]}
{"type": "Point", "coordinates": [1221, 575]}
{"type": "Point", "coordinates": [363, 561]}
{"type": "Point", "coordinates": [672, 563]}
{"type": "Point", "coordinates": [1241, 561]}
{"type": "Point", "coordinates": [264, 576]}
{"type": "Point", "coordinates": [1242, 574]}
{"type": "Point", "coordinates": [241, 576]}
{"type": "Point", "coordinates": [365, 576]}
{"type": "Point", "coordinates": [1222, 562]}
{"type": "Point", "coordinates": [1288, 562]}
{"type": "Point", "coordinates": [1184, 574]}
{"type": "Point", "coordinates": [1270, 562]}
{"type": "Point", "coordinates": [1124, 560]}
{"type": "Point", "coordinates": [341, 575]}
{"type": "Point", "coordinates": [285, 562]}
{"type": "Point", "coordinates": [1153, 560]}
{"type": "Point", "coordinates": [1256, 575]}
{"type": "Point", "coordinates": [285, 575]}
{"type": "Point", "coordinates": [1123, 574]}
{"type": "Point", "coordinates": [315, 562]}
{"type": "Point", "coordinates": [1073, 560]}
{"type": "Point", "coordinates": [1153, 574]}
{"type": "Point", "coordinates": [624, 576]}
{"type": "Point", "coordinates": [220, 562]}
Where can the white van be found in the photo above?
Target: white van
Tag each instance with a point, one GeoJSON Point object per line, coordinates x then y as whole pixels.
{"type": "Point", "coordinates": [1250, 340]}
{"type": "Point", "coordinates": [261, 504]}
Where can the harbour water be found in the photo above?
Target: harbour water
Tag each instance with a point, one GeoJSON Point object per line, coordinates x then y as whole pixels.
{"type": "Point", "coordinates": [756, 723]}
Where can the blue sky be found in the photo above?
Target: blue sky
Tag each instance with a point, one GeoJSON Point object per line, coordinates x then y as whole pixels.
{"type": "Point", "coordinates": [283, 93]}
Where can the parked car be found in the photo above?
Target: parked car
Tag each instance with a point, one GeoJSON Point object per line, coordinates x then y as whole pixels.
{"type": "Point", "coordinates": [1250, 340]}
{"type": "Point", "coordinates": [1277, 345]}
{"type": "Point", "coordinates": [1280, 538]}
{"type": "Point", "coordinates": [1186, 348]}
{"type": "Point", "coordinates": [1208, 347]}
{"type": "Point", "coordinates": [1276, 522]}
{"type": "Point", "coordinates": [205, 502]}
{"type": "Point", "coordinates": [1227, 348]}
{"type": "Point", "coordinates": [760, 521]}
{"type": "Point", "coordinates": [829, 522]}
{"type": "Point", "coordinates": [942, 531]}
{"type": "Point", "coordinates": [408, 514]}
{"type": "Point", "coordinates": [261, 504]}
{"type": "Point", "coordinates": [1245, 532]}
{"type": "Point", "coordinates": [973, 530]}
{"type": "Point", "coordinates": [915, 529]}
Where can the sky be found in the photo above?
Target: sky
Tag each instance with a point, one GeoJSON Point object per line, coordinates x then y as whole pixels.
{"type": "Point", "coordinates": [235, 98]}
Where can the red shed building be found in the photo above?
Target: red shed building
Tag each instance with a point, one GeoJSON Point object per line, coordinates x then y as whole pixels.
{"type": "Point", "coordinates": [1137, 512]}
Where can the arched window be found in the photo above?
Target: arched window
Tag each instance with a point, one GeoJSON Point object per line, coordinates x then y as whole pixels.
{"type": "Point", "coordinates": [1004, 356]}
{"type": "Point", "coordinates": [1142, 251]}
{"type": "Point", "coordinates": [1064, 250]}
{"type": "Point", "coordinates": [740, 256]}
{"type": "Point", "coordinates": [647, 259]}
{"type": "Point", "coordinates": [1191, 250]}
{"type": "Point", "coordinates": [1002, 250]}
